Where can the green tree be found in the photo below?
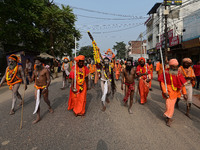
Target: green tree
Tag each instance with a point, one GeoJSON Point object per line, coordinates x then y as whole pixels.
{"type": "Point", "coordinates": [87, 51]}
{"type": "Point", "coordinates": [37, 25]}
{"type": "Point", "coordinates": [120, 47]}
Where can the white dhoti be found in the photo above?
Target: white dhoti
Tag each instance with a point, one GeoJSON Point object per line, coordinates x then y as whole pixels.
{"type": "Point", "coordinates": [37, 101]}
{"type": "Point", "coordinates": [105, 86]}
{"type": "Point", "coordinates": [189, 92]}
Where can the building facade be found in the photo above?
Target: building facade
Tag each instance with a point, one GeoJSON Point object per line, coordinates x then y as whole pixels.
{"type": "Point", "coordinates": [138, 49]}
{"type": "Point", "coordinates": [155, 28]}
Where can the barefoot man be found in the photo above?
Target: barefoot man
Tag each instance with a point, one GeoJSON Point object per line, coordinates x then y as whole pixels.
{"type": "Point", "coordinates": [14, 76]}
{"type": "Point", "coordinates": [188, 73]}
{"type": "Point", "coordinates": [175, 82]}
{"type": "Point", "coordinates": [77, 97]}
{"type": "Point", "coordinates": [129, 74]}
{"type": "Point", "coordinates": [144, 78]}
{"type": "Point", "coordinates": [107, 81]}
{"type": "Point", "coordinates": [42, 81]}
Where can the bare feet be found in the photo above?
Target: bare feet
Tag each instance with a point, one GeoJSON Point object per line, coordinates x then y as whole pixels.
{"type": "Point", "coordinates": [36, 121]}
{"type": "Point", "coordinates": [125, 104]}
{"type": "Point", "coordinates": [130, 111]}
{"type": "Point", "coordinates": [20, 104]}
{"type": "Point", "coordinates": [51, 110]}
{"type": "Point", "coordinates": [12, 112]}
{"type": "Point", "coordinates": [168, 122]}
{"type": "Point", "coordinates": [103, 108]}
{"type": "Point", "coordinates": [107, 100]}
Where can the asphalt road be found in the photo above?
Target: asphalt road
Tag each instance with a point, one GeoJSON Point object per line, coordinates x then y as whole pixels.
{"type": "Point", "coordinates": [113, 129]}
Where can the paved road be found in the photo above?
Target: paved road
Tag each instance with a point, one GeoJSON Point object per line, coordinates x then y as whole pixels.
{"type": "Point", "coordinates": [113, 129]}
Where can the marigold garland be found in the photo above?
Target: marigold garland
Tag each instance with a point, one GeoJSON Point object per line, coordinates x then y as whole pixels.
{"type": "Point", "coordinates": [9, 72]}
{"type": "Point", "coordinates": [96, 52]}
{"type": "Point", "coordinates": [173, 88]}
{"type": "Point", "coordinates": [80, 81]}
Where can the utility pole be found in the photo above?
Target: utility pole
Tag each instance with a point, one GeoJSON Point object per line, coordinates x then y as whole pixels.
{"type": "Point", "coordinates": [166, 13]}
{"type": "Point", "coordinates": [141, 44]}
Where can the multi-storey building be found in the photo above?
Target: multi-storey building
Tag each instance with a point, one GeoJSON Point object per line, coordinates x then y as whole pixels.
{"type": "Point", "coordinates": [155, 27]}
{"type": "Point", "coordinates": [137, 49]}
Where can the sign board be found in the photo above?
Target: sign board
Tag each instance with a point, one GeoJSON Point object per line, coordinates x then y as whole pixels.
{"type": "Point", "coordinates": [173, 2]}
{"type": "Point", "coordinates": [174, 41]}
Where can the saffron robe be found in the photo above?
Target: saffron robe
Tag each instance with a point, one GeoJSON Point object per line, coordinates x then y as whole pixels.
{"type": "Point", "coordinates": [77, 101]}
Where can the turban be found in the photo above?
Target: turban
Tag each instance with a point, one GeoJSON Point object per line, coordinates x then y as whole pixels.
{"type": "Point", "coordinates": [173, 62]}
{"type": "Point", "coordinates": [14, 57]}
{"type": "Point", "coordinates": [80, 57]}
{"type": "Point", "coordinates": [187, 60]}
{"type": "Point", "coordinates": [65, 58]}
{"type": "Point", "coordinates": [141, 58]}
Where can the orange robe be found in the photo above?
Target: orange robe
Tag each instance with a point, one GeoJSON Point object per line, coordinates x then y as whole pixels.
{"type": "Point", "coordinates": [117, 71]}
{"type": "Point", "coordinates": [177, 81]}
{"type": "Point", "coordinates": [143, 85]}
{"type": "Point", "coordinates": [159, 69]}
{"type": "Point", "coordinates": [151, 72]}
{"type": "Point", "coordinates": [187, 73]}
{"type": "Point", "coordinates": [77, 101]}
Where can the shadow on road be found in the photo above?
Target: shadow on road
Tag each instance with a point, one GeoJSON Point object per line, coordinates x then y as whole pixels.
{"type": "Point", "coordinates": [101, 145]}
{"type": "Point", "coordinates": [88, 100]}
{"type": "Point", "coordinates": [155, 109]}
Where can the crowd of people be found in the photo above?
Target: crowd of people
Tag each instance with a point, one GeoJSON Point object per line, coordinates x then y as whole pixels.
{"type": "Point", "coordinates": [81, 74]}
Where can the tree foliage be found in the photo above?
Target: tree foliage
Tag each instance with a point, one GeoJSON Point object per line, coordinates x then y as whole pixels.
{"type": "Point", "coordinates": [37, 25]}
{"type": "Point", "coordinates": [87, 51]}
{"type": "Point", "coordinates": [120, 47]}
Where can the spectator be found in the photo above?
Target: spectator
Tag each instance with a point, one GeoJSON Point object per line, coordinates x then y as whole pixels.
{"type": "Point", "coordinates": [29, 69]}
{"type": "Point", "coordinates": [197, 73]}
{"type": "Point", "coordinates": [55, 65]}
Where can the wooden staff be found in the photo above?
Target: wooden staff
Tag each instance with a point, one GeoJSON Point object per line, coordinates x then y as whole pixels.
{"type": "Point", "coordinates": [21, 122]}
{"type": "Point", "coordinates": [75, 67]}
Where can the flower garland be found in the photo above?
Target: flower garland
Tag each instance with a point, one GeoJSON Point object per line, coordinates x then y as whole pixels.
{"type": "Point", "coordinates": [10, 72]}
{"type": "Point", "coordinates": [107, 78]}
{"type": "Point", "coordinates": [96, 52]}
{"type": "Point", "coordinates": [173, 88]}
{"type": "Point", "coordinates": [193, 81]}
{"type": "Point", "coordinates": [80, 81]}
{"type": "Point", "coordinates": [11, 75]}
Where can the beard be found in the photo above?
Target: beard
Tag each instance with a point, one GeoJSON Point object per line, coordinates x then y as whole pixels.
{"type": "Point", "coordinates": [142, 65]}
{"type": "Point", "coordinates": [128, 68]}
{"type": "Point", "coordinates": [173, 71]}
{"type": "Point", "coordinates": [39, 67]}
{"type": "Point", "coordinates": [106, 65]}
{"type": "Point", "coordinates": [12, 66]}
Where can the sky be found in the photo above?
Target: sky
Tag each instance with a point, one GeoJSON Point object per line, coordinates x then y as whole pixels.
{"type": "Point", "coordinates": [116, 20]}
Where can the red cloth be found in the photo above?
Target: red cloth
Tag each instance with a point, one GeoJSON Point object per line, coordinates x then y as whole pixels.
{"type": "Point", "coordinates": [71, 74]}
{"type": "Point", "coordinates": [196, 70]}
{"type": "Point", "coordinates": [141, 58]}
{"type": "Point", "coordinates": [178, 80]}
{"type": "Point", "coordinates": [80, 57]}
{"type": "Point", "coordinates": [141, 69]}
{"type": "Point", "coordinates": [130, 88]}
